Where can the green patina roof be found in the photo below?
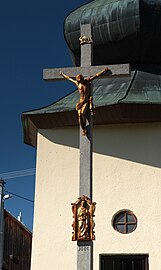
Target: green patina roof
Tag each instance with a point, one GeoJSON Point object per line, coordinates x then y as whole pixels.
{"type": "Point", "coordinates": [133, 99]}
{"type": "Point", "coordinates": [124, 31]}
{"type": "Point", "coordinates": [141, 87]}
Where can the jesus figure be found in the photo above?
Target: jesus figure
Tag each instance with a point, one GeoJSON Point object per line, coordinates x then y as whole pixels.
{"type": "Point", "coordinates": [85, 101]}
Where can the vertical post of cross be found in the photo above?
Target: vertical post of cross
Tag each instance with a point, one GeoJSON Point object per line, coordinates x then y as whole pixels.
{"type": "Point", "coordinates": [85, 186]}
{"type": "Point", "coordinates": [85, 248]}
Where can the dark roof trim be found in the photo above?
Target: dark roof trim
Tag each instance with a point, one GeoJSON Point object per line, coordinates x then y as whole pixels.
{"type": "Point", "coordinates": [6, 213]}
{"type": "Point", "coordinates": [124, 113]}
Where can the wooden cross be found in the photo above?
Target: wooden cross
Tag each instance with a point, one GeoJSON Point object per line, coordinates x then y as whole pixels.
{"type": "Point", "coordinates": [85, 248]}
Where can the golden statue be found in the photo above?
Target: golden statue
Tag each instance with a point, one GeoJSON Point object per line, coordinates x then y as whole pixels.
{"type": "Point", "coordinates": [83, 225]}
{"type": "Point", "coordinates": [83, 221]}
{"type": "Point", "coordinates": [85, 102]}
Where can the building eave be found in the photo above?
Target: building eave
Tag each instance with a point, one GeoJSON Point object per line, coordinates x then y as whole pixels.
{"type": "Point", "coordinates": [124, 113]}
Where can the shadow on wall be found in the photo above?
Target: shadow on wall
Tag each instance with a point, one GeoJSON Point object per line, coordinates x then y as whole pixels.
{"type": "Point", "coordinates": [139, 143]}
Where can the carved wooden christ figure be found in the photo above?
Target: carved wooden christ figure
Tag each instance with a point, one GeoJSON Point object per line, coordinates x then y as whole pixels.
{"type": "Point", "coordinates": [85, 102]}
{"type": "Point", "coordinates": [83, 213]}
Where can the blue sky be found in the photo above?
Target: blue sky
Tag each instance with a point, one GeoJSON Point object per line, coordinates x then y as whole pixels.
{"type": "Point", "coordinates": [32, 38]}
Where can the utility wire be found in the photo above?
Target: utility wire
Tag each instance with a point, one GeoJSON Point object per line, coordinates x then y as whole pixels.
{"type": "Point", "coordinates": [20, 173]}
{"type": "Point", "coordinates": [21, 197]}
{"type": "Point", "coordinates": [15, 174]}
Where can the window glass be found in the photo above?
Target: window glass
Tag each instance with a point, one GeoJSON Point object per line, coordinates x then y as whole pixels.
{"type": "Point", "coordinates": [120, 228]}
{"type": "Point", "coordinates": [120, 218]}
{"type": "Point", "coordinates": [130, 218]}
{"type": "Point", "coordinates": [131, 228]}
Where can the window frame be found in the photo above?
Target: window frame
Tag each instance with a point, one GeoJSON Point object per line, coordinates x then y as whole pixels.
{"type": "Point", "coordinates": [125, 223]}
{"type": "Point", "coordinates": [143, 257]}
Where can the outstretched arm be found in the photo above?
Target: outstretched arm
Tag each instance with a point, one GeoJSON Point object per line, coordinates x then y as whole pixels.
{"type": "Point", "coordinates": [98, 74]}
{"type": "Point", "coordinates": [67, 77]}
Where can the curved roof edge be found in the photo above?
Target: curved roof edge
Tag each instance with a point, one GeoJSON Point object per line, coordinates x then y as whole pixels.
{"type": "Point", "coordinates": [134, 99]}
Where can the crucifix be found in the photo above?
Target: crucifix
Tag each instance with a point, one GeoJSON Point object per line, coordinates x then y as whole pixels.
{"type": "Point", "coordinates": [82, 77]}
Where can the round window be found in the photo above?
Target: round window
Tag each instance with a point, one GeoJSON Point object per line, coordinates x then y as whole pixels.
{"type": "Point", "coordinates": [125, 222]}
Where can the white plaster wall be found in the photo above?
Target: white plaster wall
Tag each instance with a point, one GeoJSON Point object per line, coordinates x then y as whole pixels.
{"type": "Point", "coordinates": [127, 175]}
{"type": "Point", "coordinates": [56, 188]}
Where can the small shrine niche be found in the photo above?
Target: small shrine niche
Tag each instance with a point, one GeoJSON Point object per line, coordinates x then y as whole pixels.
{"type": "Point", "coordinates": [83, 225]}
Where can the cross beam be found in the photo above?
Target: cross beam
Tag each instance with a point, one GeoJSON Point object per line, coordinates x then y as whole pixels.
{"type": "Point", "coordinates": [52, 74]}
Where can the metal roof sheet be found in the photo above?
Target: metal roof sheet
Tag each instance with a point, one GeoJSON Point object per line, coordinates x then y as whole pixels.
{"type": "Point", "coordinates": [143, 86]}
{"type": "Point", "coordinates": [118, 100]}
{"type": "Point", "coordinates": [124, 31]}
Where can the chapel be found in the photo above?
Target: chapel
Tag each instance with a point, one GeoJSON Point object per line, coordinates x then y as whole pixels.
{"type": "Point", "coordinates": [126, 145]}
